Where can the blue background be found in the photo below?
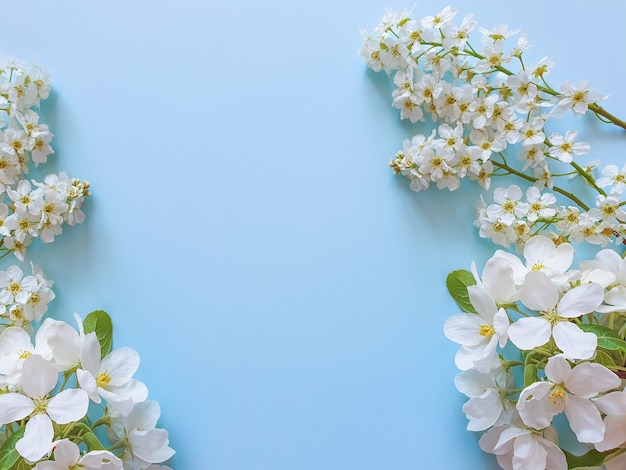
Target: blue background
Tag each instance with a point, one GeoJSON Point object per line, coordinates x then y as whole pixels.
{"type": "Point", "coordinates": [284, 290]}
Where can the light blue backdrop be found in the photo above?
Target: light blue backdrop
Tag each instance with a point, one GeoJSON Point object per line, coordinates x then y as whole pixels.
{"type": "Point", "coordinates": [284, 290]}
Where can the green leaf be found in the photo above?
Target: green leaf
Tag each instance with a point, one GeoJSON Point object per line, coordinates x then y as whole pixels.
{"type": "Point", "coordinates": [530, 370]}
{"type": "Point", "coordinates": [93, 443]}
{"type": "Point", "coordinates": [591, 459]}
{"type": "Point", "coordinates": [99, 322]}
{"type": "Point", "coordinates": [607, 338]}
{"type": "Point", "coordinates": [8, 455]}
{"type": "Point", "coordinates": [457, 283]}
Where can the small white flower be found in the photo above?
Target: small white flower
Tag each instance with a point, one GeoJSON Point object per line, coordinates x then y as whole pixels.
{"type": "Point", "coordinates": [578, 97]}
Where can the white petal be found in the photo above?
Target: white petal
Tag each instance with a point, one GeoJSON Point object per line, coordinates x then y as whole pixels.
{"type": "Point", "coordinates": [558, 369]}
{"type": "Point", "coordinates": [498, 280]}
{"type": "Point", "coordinates": [528, 453]}
{"type": "Point", "coordinates": [13, 341]}
{"type": "Point", "coordinates": [574, 342]}
{"type": "Point", "coordinates": [90, 354]}
{"type": "Point", "coordinates": [613, 403]}
{"type": "Point", "coordinates": [562, 259]}
{"type": "Point", "coordinates": [144, 416]}
{"type": "Point", "coordinates": [14, 406]}
{"type": "Point", "coordinates": [38, 376]}
{"type": "Point", "coordinates": [538, 250]}
{"type": "Point", "coordinates": [501, 326]}
{"type": "Point", "coordinates": [64, 343]}
{"type": "Point", "coordinates": [589, 379]}
{"type": "Point", "coordinates": [121, 364]}
{"type": "Point", "coordinates": [95, 459]}
{"type": "Point", "coordinates": [584, 419]}
{"type": "Point", "coordinates": [580, 300]}
{"type": "Point", "coordinates": [482, 303]}
{"type": "Point", "coordinates": [535, 407]}
{"type": "Point", "coordinates": [614, 433]}
{"type": "Point", "coordinates": [151, 445]}
{"type": "Point", "coordinates": [88, 383]}
{"type": "Point", "coordinates": [66, 452]}
{"type": "Point", "coordinates": [483, 411]}
{"type": "Point", "coordinates": [537, 292]}
{"type": "Point", "coordinates": [463, 328]}
{"type": "Point", "coordinates": [529, 332]}
{"type": "Point", "coordinates": [69, 405]}
{"type": "Point", "coordinates": [37, 440]}
{"type": "Point", "coordinates": [472, 383]}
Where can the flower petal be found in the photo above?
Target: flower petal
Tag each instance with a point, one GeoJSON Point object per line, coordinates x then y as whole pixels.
{"type": "Point", "coordinates": [574, 342]}
{"type": "Point", "coordinates": [558, 369]}
{"type": "Point", "coordinates": [121, 364]}
{"type": "Point", "coordinates": [463, 328]}
{"type": "Point", "coordinates": [69, 405]}
{"type": "Point", "coordinates": [590, 379]}
{"type": "Point", "coordinates": [38, 376]}
{"type": "Point", "coordinates": [580, 300]}
{"type": "Point", "coordinates": [151, 445]}
{"type": "Point", "coordinates": [37, 440]}
{"type": "Point", "coordinates": [529, 332]}
{"type": "Point", "coordinates": [14, 406]}
{"type": "Point", "coordinates": [537, 292]}
{"type": "Point", "coordinates": [584, 419]}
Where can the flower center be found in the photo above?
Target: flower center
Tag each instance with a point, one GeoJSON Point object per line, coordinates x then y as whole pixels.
{"type": "Point", "coordinates": [103, 379]}
{"type": "Point", "coordinates": [558, 396]}
{"type": "Point", "coordinates": [486, 330]}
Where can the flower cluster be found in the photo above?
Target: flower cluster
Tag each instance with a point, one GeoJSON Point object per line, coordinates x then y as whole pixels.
{"type": "Point", "coordinates": [67, 399]}
{"type": "Point", "coordinates": [487, 111]}
{"type": "Point", "coordinates": [30, 209]}
{"type": "Point", "coordinates": [537, 337]}
{"type": "Point", "coordinates": [46, 416]}
{"type": "Point", "coordinates": [24, 299]}
{"type": "Point", "coordinates": [568, 327]}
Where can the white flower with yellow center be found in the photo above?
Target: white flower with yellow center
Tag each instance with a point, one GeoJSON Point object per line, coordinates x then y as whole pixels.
{"type": "Point", "coordinates": [39, 379]}
{"type": "Point", "coordinates": [539, 294]}
{"type": "Point", "coordinates": [478, 334]}
{"type": "Point", "coordinates": [570, 390]}
{"type": "Point", "coordinates": [110, 378]}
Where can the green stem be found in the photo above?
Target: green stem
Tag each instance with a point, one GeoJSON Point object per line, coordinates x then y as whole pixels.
{"type": "Point", "coordinates": [600, 111]}
{"type": "Point", "coordinates": [592, 182]}
{"type": "Point", "coordinates": [533, 180]}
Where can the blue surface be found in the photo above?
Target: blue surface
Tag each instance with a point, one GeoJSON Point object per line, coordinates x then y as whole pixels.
{"type": "Point", "coordinates": [284, 290]}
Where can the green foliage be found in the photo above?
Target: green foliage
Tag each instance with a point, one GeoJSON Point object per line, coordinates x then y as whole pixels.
{"type": "Point", "coordinates": [457, 283]}
{"type": "Point", "coordinates": [9, 457]}
{"type": "Point", "coordinates": [592, 459]}
{"type": "Point", "coordinates": [99, 322]}
{"type": "Point", "coordinates": [607, 338]}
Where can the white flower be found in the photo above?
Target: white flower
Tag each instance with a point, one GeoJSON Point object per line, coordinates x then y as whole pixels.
{"type": "Point", "coordinates": [146, 443]}
{"type": "Point", "coordinates": [479, 334]}
{"type": "Point", "coordinates": [486, 405]}
{"type": "Point", "coordinates": [539, 294]}
{"type": "Point", "coordinates": [38, 379]}
{"type": "Point", "coordinates": [540, 206]}
{"type": "Point", "coordinates": [613, 176]}
{"type": "Point", "coordinates": [111, 377]}
{"type": "Point", "coordinates": [613, 405]}
{"type": "Point", "coordinates": [507, 205]}
{"type": "Point", "coordinates": [568, 389]}
{"type": "Point", "coordinates": [67, 457]}
{"type": "Point", "coordinates": [564, 147]}
{"type": "Point", "coordinates": [517, 448]}
{"type": "Point", "coordinates": [578, 97]}
{"type": "Point", "coordinates": [541, 254]}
